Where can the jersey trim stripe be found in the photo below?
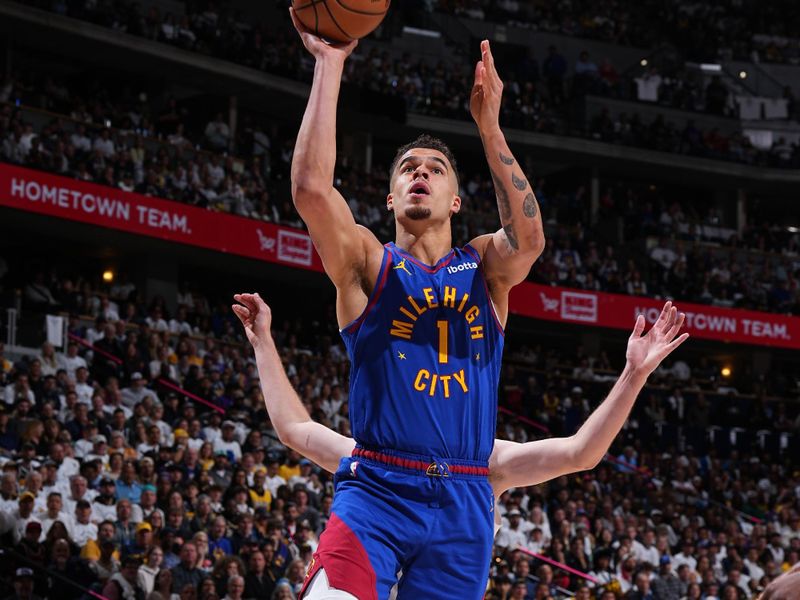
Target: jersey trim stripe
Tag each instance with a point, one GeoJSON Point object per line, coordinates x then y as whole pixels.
{"type": "Point", "coordinates": [443, 262]}
{"type": "Point", "coordinates": [470, 250]}
{"type": "Point", "coordinates": [376, 292]}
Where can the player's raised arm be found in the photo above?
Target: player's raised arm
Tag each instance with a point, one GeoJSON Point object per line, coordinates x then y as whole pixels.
{"type": "Point", "coordinates": [288, 415]}
{"type": "Point", "coordinates": [515, 465]}
{"type": "Point", "coordinates": [511, 251]}
{"type": "Point", "coordinates": [337, 238]}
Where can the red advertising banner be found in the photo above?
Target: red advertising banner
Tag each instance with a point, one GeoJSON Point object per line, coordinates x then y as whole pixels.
{"type": "Point", "coordinates": [617, 311]}
{"type": "Point", "coordinates": [56, 196]}
{"type": "Point", "coordinates": [66, 198]}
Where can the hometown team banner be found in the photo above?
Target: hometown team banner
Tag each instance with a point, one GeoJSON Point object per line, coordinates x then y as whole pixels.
{"type": "Point", "coordinates": [53, 195]}
{"type": "Point", "coordinates": [619, 312]}
{"type": "Point", "coordinates": [57, 196]}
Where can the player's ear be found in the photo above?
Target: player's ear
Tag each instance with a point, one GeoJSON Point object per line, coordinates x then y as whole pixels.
{"type": "Point", "coordinates": [456, 205]}
{"type": "Point", "coordinates": [390, 202]}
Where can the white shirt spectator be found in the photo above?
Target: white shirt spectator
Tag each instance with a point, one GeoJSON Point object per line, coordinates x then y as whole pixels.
{"type": "Point", "coordinates": [218, 133]}
{"type": "Point", "coordinates": [71, 364]}
{"type": "Point", "coordinates": [664, 256]}
{"type": "Point", "coordinates": [330, 406]}
{"type": "Point", "coordinates": [18, 530]}
{"type": "Point", "coordinates": [157, 324]}
{"type": "Point", "coordinates": [83, 532]}
{"type": "Point", "coordinates": [195, 443]}
{"type": "Point", "coordinates": [683, 559]}
{"type": "Point", "coordinates": [84, 392]}
{"type": "Point", "coordinates": [70, 504]}
{"type": "Point", "coordinates": [537, 546]}
{"type": "Point", "coordinates": [144, 448]}
{"type": "Point", "coordinates": [9, 394]}
{"type": "Point", "coordinates": [231, 448]}
{"type": "Point", "coordinates": [754, 570]}
{"type": "Point", "coordinates": [8, 506]}
{"type": "Point", "coordinates": [511, 538]}
{"type": "Point", "coordinates": [47, 523]}
{"type": "Point", "coordinates": [69, 467]}
{"type": "Point", "coordinates": [82, 448]}
{"type": "Point", "coordinates": [80, 141]}
{"type": "Point", "coordinates": [105, 146]}
{"type": "Point", "coordinates": [166, 432]}
{"type": "Point", "coordinates": [103, 512]}
{"type": "Point", "coordinates": [648, 555]}
{"type": "Point", "coordinates": [216, 174]}
{"type": "Point", "coordinates": [131, 396]}
{"type": "Point", "coordinates": [178, 327]}
{"type": "Point", "coordinates": [273, 483]}
{"type": "Point", "coordinates": [212, 433]}
{"type": "Point", "coordinates": [777, 554]}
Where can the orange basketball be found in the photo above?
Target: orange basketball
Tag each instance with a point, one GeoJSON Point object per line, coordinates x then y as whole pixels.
{"type": "Point", "coordinates": [341, 20]}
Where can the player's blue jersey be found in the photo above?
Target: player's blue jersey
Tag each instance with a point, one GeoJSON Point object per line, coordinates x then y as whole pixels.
{"type": "Point", "coordinates": [425, 359]}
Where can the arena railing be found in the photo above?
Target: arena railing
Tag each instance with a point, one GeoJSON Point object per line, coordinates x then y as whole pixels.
{"type": "Point", "coordinates": [160, 380]}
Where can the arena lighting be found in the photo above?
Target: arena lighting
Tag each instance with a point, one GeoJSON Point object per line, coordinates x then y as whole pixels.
{"type": "Point", "coordinates": [792, 229]}
{"type": "Point", "coordinates": [711, 68]}
{"type": "Point", "coordinates": [726, 371]}
{"type": "Point", "coordinates": [108, 275]}
{"type": "Point", "coordinates": [423, 32]}
{"type": "Point", "coordinates": [742, 74]}
{"type": "Point", "coordinates": [643, 62]}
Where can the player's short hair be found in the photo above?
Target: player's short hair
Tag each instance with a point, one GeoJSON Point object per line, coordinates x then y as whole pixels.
{"type": "Point", "coordinates": [425, 141]}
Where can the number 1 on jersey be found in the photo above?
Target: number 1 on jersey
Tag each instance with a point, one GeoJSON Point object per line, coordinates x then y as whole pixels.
{"type": "Point", "coordinates": [443, 332]}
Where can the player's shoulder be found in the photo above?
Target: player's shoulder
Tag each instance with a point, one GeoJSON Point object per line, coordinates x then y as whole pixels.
{"type": "Point", "coordinates": [480, 244]}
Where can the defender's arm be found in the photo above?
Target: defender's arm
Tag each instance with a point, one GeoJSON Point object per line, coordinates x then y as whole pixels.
{"type": "Point", "coordinates": [289, 417]}
{"type": "Point", "coordinates": [519, 465]}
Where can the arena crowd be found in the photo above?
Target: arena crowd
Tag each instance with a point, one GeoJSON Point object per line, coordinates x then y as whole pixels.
{"type": "Point", "coordinates": [538, 90]}
{"type": "Point", "coordinates": [150, 154]}
{"type": "Point", "coordinates": [119, 473]}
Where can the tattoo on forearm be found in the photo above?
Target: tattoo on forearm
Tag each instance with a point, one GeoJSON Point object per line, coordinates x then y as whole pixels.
{"type": "Point", "coordinates": [530, 208]}
{"type": "Point", "coordinates": [506, 160]}
{"type": "Point", "coordinates": [520, 184]}
{"type": "Point", "coordinates": [511, 236]}
{"type": "Point", "coordinates": [503, 204]}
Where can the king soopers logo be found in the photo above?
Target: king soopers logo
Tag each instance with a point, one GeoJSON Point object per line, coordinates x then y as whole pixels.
{"type": "Point", "coordinates": [467, 266]}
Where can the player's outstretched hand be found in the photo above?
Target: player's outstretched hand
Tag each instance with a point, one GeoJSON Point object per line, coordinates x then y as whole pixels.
{"type": "Point", "coordinates": [645, 352]}
{"type": "Point", "coordinates": [487, 92]}
{"type": "Point", "coordinates": [256, 317]}
{"type": "Point", "coordinates": [317, 46]}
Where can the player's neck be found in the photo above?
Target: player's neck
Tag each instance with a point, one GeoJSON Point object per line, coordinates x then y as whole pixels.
{"type": "Point", "coordinates": [429, 246]}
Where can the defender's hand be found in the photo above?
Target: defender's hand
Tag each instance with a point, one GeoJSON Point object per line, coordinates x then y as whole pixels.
{"type": "Point", "coordinates": [319, 48]}
{"type": "Point", "coordinates": [646, 352]}
{"type": "Point", "coordinates": [487, 92]}
{"type": "Point", "coordinates": [256, 317]}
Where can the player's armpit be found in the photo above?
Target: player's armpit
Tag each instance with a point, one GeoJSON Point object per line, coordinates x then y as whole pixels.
{"type": "Point", "coordinates": [520, 465]}
{"type": "Point", "coordinates": [333, 230]}
{"type": "Point", "coordinates": [505, 265]}
{"type": "Point", "coordinates": [319, 444]}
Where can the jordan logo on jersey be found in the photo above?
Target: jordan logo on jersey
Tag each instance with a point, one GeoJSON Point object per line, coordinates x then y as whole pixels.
{"type": "Point", "coordinates": [402, 266]}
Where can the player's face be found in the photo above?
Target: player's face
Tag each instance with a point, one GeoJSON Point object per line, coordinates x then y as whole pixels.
{"type": "Point", "coordinates": [423, 186]}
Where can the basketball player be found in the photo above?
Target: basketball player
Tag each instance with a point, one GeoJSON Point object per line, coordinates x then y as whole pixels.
{"type": "Point", "coordinates": [423, 325]}
{"type": "Point", "coordinates": [511, 464]}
